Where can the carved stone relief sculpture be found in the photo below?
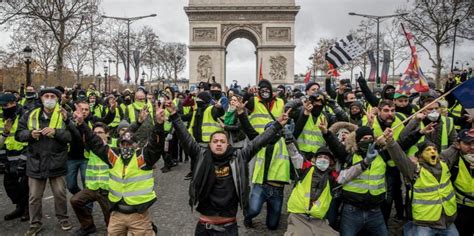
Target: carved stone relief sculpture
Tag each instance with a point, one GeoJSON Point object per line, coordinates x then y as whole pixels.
{"type": "Point", "coordinates": [204, 68]}
{"type": "Point", "coordinates": [204, 34]}
{"type": "Point", "coordinates": [278, 68]}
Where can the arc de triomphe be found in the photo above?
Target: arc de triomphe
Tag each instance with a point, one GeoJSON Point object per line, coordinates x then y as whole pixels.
{"type": "Point", "coordinates": [268, 24]}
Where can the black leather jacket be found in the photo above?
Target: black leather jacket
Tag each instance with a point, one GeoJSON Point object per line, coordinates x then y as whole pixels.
{"type": "Point", "coordinates": [238, 162]}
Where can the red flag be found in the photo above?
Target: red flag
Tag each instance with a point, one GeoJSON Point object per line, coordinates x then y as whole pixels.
{"type": "Point", "coordinates": [260, 73]}
{"type": "Point", "coordinates": [412, 80]}
{"type": "Point", "coordinates": [332, 71]}
{"type": "Point", "coordinates": [307, 77]}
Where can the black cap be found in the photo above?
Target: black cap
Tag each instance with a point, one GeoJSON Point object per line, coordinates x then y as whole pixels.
{"type": "Point", "coordinates": [6, 98]}
{"type": "Point", "coordinates": [309, 85]}
{"type": "Point", "coordinates": [50, 90]}
{"type": "Point", "coordinates": [325, 151]}
{"type": "Point", "coordinates": [422, 146]}
{"type": "Point", "coordinates": [363, 131]}
{"type": "Point", "coordinates": [466, 135]}
{"type": "Point", "coordinates": [205, 96]}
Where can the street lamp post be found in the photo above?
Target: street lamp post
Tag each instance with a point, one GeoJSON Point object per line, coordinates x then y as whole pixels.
{"type": "Point", "coordinates": [311, 58]}
{"type": "Point", "coordinates": [142, 81]}
{"type": "Point", "coordinates": [27, 55]}
{"type": "Point", "coordinates": [456, 22]}
{"type": "Point", "coordinates": [128, 20]}
{"type": "Point", "coordinates": [377, 19]}
{"type": "Point", "coordinates": [106, 68]}
{"type": "Point", "coordinates": [99, 78]}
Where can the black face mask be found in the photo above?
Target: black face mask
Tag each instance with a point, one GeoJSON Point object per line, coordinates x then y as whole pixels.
{"type": "Point", "coordinates": [216, 94]}
{"type": "Point", "coordinates": [9, 113]}
{"type": "Point", "coordinates": [201, 104]}
{"type": "Point", "coordinates": [127, 101]}
{"type": "Point", "coordinates": [30, 95]}
{"type": "Point", "coordinates": [363, 146]}
{"type": "Point", "coordinates": [389, 96]}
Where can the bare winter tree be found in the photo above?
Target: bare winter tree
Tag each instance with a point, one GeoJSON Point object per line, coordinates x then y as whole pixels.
{"type": "Point", "coordinates": [77, 55]}
{"type": "Point", "coordinates": [41, 40]}
{"type": "Point", "coordinates": [143, 41]}
{"type": "Point", "coordinates": [319, 61]}
{"type": "Point", "coordinates": [433, 23]}
{"type": "Point", "coordinates": [66, 19]}
{"type": "Point", "coordinates": [366, 36]}
{"type": "Point", "coordinates": [396, 42]}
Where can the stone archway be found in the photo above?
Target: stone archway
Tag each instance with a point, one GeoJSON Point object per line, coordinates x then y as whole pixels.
{"type": "Point", "coordinates": [268, 24]}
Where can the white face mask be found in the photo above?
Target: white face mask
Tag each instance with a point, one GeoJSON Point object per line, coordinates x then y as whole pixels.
{"type": "Point", "coordinates": [322, 164]}
{"type": "Point", "coordinates": [433, 116]}
{"type": "Point", "coordinates": [49, 103]}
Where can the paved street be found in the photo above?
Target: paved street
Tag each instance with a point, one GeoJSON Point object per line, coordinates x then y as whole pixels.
{"type": "Point", "coordinates": [171, 213]}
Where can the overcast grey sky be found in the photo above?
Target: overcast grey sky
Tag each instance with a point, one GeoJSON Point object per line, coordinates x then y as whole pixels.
{"type": "Point", "coordinates": [316, 19]}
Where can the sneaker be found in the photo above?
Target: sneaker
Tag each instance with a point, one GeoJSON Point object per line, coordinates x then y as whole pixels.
{"type": "Point", "coordinates": [17, 213]}
{"type": "Point", "coordinates": [65, 224]}
{"type": "Point", "coordinates": [83, 232]}
{"type": "Point", "coordinates": [33, 229]}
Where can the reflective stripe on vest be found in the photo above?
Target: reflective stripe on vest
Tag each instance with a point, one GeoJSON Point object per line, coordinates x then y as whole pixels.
{"type": "Point", "coordinates": [130, 183]}
{"type": "Point", "coordinates": [300, 202]}
{"type": "Point", "coordinates": [446, 129]}
{"type": "Point", "coordinates": [279, 169]}
{"type": "Point", "coordinates": [208, 126]}
{"type": "Point", "coordinates": [464, 183]}
{"type": "Point", "coordinates": [372, 180]}
{"type": "Point", "coordinates": [260, 116]}
{"type": "Point", "coordinates": [396, 133]}
{"type": "Point", "coordinates": [56, 121]}
{"type": "Point", "coordinates": [311, 138]}
{"type": "Point", "coordinates": [10, 142]}
{"type": "Point", "coordinates": [97, 172]}
{"type": "Point", "coordinates": [456, 111]}
{"type": "Point", "coordinates": [431, 198]}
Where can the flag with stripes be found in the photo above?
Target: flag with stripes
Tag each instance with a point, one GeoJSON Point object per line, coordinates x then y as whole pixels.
{"type": "Point", "coordinates": [413, 80]}
{"type": "Point", "coordinates": [343, 51]}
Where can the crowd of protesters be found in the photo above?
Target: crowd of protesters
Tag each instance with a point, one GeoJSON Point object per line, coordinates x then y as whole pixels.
{"type": "Point", "coordinates": [347, 154]}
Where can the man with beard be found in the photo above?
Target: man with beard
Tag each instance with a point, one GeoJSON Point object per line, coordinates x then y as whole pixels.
{"type": "Point", "coordinates": [220, 181]}
{"type": "Point", "coordinates": [444, 133]}
{"type": "Point", "coordinates": [403, 105]}
{"type": "Point", "coordinates": [308, 136]}
{"type": "Point", "coordinates": [15, 179]}
{"type": "Point", "coordinates": [388, 118]}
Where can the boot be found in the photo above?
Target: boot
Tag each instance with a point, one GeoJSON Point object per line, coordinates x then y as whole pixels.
{"type": "Point", "coordinates": [18, 212]}
{"type": "Point", "coordinates": [26, 215]}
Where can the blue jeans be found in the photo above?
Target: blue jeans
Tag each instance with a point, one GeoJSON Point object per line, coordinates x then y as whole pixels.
{"type": "Point", "coordinates": [73, 167]}
{"type": "Point", "coordinates": [410, 229]}
{"type": "Point", "coordinates": [354, 219]}
{"type": "Point", "coordinates": [273, 196]}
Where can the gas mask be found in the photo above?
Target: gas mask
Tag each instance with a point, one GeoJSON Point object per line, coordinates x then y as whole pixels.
{"type": "Point", "coordinates": [50, 103]}
{"type": "Point", "coordinates": [433, 116]}
{"type": "Point", "coordinates": [265, 93]}
{"type": "Point", "coordinates": [127, 152]}
{"type": "Point", "coordinates": [430, 155]}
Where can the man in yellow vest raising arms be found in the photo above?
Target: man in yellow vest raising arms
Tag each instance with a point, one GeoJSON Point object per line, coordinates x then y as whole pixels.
{"type": "Point", "coordinates": [131, 182]}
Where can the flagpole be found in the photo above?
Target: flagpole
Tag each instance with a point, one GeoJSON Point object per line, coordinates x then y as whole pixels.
{"type": "Point", "coordinates": [425, 107]}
